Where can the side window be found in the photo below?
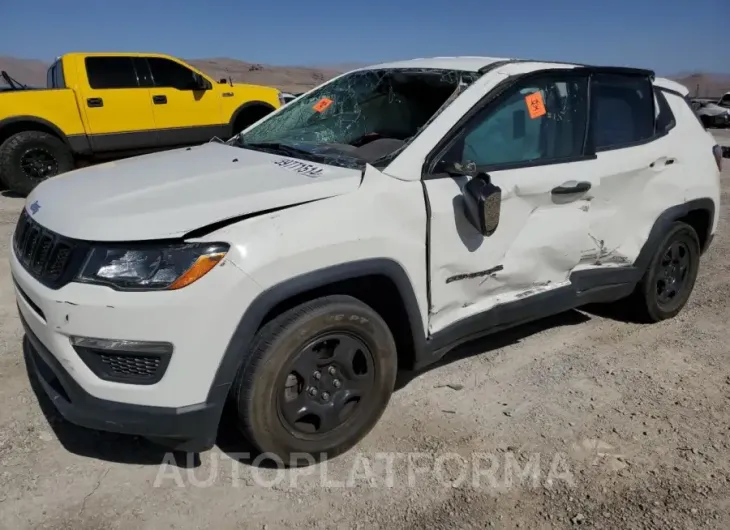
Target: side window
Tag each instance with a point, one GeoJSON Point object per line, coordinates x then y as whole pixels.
{"type": "Point", "coordinates": [50, 75]}
{"type": "Point", "coordinates": [725, 101]}
{"type": "Point", "coordinates": [167, 73]}
{"type": "Point", "coordinates": [665, 119]}
{"type": "Point", "coordinates": [59, 81]}
{"type": "Point", "coordinates": [111, 72]}
{"type": "Point", "coordinates": [623, 110]}
{"type": "Point", "coordinates": [543, 119]}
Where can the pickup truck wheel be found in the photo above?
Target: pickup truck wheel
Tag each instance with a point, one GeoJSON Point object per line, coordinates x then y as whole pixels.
{"type": "Point", "coordinates": [668, 283]}
{"type": "Point", "coordinates": [316, 380]}
{"type": "Point", "coordinates": [30, 157]}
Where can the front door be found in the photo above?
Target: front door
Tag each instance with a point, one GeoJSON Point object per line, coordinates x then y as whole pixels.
{"type": "Point", "coordinates": [531, 142]}
{"type": "Point", "coordinates": [183, 113]}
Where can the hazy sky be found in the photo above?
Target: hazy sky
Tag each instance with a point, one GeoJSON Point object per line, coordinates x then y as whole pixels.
{"type": "Point", "coordinates": [670, 36]}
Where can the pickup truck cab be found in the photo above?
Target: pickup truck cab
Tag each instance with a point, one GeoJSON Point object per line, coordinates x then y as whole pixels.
{"type": "Point", "coordinates": [369, 226]}
{"type": "Point", "coordinates": [98, 105]}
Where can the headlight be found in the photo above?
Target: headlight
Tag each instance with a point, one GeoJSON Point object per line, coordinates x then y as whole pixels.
{"type": "Point", "coordinates": [149, 268]}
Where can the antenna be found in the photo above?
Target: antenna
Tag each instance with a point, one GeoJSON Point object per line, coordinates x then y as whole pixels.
{"type": "Point", "coordinates": [230, 81]}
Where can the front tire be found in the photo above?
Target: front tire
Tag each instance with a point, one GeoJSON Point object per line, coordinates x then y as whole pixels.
{"type": "Point", "coordinates": [28, 158]}
{"type": "Point", "coordinates": [316, 380]}
{"type": "Point", "coordinates": [670, 278]}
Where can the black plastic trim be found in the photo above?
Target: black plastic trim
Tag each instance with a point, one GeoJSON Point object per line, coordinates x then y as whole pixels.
{"type": "Point", "coordinates": [238, 347]}
{"type": "Point", "coordinates": [34, 120]}
{"type": "Point", "coordinates": [192, 428]}
{"type": "Point", "coordinates": [92, 359]}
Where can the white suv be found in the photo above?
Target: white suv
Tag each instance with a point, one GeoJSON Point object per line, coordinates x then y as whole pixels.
{"type": "Point", "coordinates": [371, 225]}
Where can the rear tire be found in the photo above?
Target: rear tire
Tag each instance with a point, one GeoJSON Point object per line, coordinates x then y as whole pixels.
{"type": "Point", "coordinates": [316, 380]}
{"type": "Point", "coordinates": [668, 282]}
{"type": "Point", "coordinates": [28, 158]}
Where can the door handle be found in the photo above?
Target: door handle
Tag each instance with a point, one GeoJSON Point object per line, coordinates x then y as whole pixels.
{"type": "Point", "coordinates": [159, 100]}
{"type": "Point", "coordinates": [661, 163]}
{"type": "Point", "coordinates": [568, 188]}
{"type": "Point", "coordinates": [94, 102]}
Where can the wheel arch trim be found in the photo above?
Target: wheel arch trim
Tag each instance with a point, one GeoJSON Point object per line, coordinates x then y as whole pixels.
{"type": "Point", "coordinates": [246, 106]}
{"type": "Point", "coordinates": [254, 315]}
{"type": "Point", "coordinates": [665, 220]}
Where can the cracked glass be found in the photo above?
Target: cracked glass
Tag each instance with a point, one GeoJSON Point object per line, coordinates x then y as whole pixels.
{"type": "Point", "coordinates": [366, 116]}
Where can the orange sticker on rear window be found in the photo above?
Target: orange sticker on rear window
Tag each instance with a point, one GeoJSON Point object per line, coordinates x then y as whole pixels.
{"type": "Point", "coordinates": [322, 104]}
{"type": "Point", "coordinates": [535, 105]}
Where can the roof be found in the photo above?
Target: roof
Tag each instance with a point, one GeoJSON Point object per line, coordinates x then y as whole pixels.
{"type": "Point", "coordinates": [476, 64]}
{"type": "Point", "coordinates": [671, 85]}
{"type": "Point", "coordinates": [469, 64]}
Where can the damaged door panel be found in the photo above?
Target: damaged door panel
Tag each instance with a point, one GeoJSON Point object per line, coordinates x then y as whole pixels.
{"type": "Point", "coordinates": [531, 143]}
{"type": "Point", "coordinates": [636, 165]}
{"type": "Point", "coordinates": [539, 241]}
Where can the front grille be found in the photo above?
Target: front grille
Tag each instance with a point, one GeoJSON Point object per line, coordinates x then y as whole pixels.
{"type": "Point", "coordinates": [125, 367]}
{"type": "Point", "coordinates": [47, 256]}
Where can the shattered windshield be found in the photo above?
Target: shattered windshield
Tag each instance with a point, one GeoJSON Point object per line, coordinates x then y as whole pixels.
{"type": "Point", "coordinates": [359, 118]}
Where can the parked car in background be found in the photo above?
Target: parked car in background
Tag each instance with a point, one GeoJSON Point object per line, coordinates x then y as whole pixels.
{"type": "Point", "coordinates": [713, 113]}
{"type": "Point", "coordinates": [99, 105]}
{"type": "Point", "coordinates": [288, 97]}
{"type": "Point", "coordinates": [373, 224]}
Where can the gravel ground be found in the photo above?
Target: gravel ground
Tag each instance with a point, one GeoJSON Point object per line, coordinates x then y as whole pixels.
{"type": "Point", "coordinates": [577, 421]}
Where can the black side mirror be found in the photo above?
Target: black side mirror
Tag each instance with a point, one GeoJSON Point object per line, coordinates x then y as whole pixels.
{"type": "Point", "coordinates": [223, 81]}
{"type": "Point", "coordinates": [482, 199]}
{"type": "Point", "coordinates": [482, 204]}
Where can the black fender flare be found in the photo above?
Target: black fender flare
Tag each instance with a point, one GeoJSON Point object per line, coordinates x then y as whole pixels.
{"type": "Point", "coordinates": [254, 315]}
{"type": "Point", "coordinates": [246, 106]}
{"type": "Point", "coordinates": [665, 220]}
{"type": "Point", "coordinates": [77, 143]}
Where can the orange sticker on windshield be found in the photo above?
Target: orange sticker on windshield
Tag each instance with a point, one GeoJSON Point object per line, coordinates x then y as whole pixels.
{"type": "Point", "coordinates": [322, 104]}
{"type": "Point", "coordinates": [535, 105]}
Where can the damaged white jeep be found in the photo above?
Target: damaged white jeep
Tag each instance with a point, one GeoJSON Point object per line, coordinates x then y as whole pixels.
{"type": "Point", "coordinates": [371, 225]}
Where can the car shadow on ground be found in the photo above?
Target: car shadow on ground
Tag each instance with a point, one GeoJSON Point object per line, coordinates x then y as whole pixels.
{"type": "Point", "coordinates": [11, 194]}
{"type": "Point", "coordinates": [127, 449]}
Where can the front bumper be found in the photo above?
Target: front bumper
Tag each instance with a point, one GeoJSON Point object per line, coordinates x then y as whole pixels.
{"type": "Point", "coordinates": [199, 321]}
{"type": "Point", "coordinates": [191, 428]}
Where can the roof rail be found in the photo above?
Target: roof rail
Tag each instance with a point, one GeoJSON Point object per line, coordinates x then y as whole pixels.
{"type": "Point", "coordinates": [618, 70]}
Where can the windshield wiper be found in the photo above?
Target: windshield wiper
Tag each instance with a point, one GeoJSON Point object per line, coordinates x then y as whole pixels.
{"type": "Point", "coordinates": [278, 147]}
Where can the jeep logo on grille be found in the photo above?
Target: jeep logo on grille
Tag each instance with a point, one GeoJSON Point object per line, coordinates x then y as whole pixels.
{"type": "Point", "coordinates": [34, 207]}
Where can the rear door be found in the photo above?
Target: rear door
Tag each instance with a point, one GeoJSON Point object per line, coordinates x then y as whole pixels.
{"type": "Point", "coordinates": [184, 114]}
{"type": "Point", "coordinates": [641, 164]}
{"type": "Point", "coordinates": [118, 110]}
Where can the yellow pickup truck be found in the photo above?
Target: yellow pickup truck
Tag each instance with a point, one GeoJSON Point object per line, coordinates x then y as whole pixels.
{"type": "Point", "coordinates": [103, 105]}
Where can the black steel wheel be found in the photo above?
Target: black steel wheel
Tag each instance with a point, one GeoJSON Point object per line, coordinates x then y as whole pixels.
{"type": "Point", "coordinates": [670, 278]}
{"type": "Point", "coordinates": [327, 379]}
{"type": "Point", "coordinates": [316, 380]}
{"type": "Point", "coordinates": [673, 272]}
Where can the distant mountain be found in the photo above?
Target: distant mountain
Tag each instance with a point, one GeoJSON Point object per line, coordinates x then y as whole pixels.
{"type": "Point", "coordinates": [287, 78]}
{"type": "Point", "coordinates": [702, 84]}
{"type": "Point", "coordinates": [301, 78]}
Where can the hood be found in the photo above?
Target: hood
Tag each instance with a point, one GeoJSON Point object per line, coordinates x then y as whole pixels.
{"type": "Point", "coordinates": [170, 193]}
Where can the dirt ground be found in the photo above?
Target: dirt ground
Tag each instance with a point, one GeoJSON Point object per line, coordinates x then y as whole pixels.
{"type": "Point", "coordinates": [577, 421]}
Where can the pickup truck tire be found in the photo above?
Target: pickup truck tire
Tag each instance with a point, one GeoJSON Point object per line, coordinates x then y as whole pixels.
{"type": "Point", "coordinates": [27, 158]}
{"type": "Point", "coordinates": [316, 380]}
{"type": "Point", "coordinates": [670, 278]}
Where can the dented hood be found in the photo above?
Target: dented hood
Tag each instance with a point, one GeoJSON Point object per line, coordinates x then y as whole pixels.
{"type": "Point", "coordinates": [167, 194]}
